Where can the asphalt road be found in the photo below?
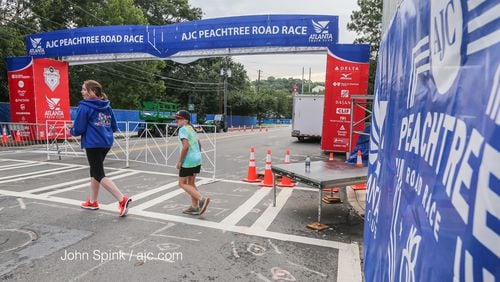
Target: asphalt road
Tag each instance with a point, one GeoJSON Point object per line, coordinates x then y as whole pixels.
{"type": "Point", "coordinates": [46, 236]}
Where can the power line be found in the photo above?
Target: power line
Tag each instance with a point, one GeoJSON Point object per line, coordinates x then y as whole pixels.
{"type": "Point", "coordinates": [59, 24]}
{"type": "Point", "coordinates": [170, 78]}
{"type": "Point", "coordinates": [149, 83]}
{"type": "Point", "coordinates": [87, 12]}
{"type": "Point", "coordinates": [174, 86]}
{"type": "Point", "coordinates": [24, 26]}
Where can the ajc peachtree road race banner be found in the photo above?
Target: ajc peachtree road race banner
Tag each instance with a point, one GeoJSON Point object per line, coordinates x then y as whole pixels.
{"type": "Point", "coordinates": [166, 40]}
{"type": "Point", "coordinates": [433, 199]}
{"type": "Point", "coordinates": [39, 92]}
{"type": "Point", "coordinates": [347, 70]}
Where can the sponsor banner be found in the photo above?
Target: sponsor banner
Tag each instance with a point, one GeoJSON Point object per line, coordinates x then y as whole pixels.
{"type": "Point", "coordinates": [51, 90]}
{"type": "Point", "coordinates": [433, 198]}
{"type": "Point", "coordinates": [347, 71]}
{"type": "Point", "coordinates": [164, 41]}
{"type": "Point", "coordinates": [21, 91]}
{"type": "Point", "coordinates": [39, 91]}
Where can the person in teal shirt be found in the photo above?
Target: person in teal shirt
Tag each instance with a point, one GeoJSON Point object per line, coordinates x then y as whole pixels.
{"type": "Point", "coordinates": [189, 164]}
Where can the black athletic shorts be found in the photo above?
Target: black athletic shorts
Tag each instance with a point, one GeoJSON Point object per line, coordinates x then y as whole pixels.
{"type": "Point", "coordinates": [96, 157]}
{"type": "Point", "coordinates": [189, 171]}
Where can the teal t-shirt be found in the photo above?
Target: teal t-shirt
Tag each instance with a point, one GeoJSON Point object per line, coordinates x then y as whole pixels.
{"type": "Point", "coordinates": [193, 157]}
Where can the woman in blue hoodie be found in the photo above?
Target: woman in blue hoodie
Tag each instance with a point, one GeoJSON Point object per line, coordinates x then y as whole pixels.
{"type": "Point", "coordinates": [96, 123]}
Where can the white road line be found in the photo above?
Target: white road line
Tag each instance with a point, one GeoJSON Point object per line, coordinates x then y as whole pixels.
{"type": "Point", "coordinates": [15, 160]}
{"type": "Point", "coordinates": [1, 208]}
{"type": "Point", "coordinates": [246, 207]}
{"type": "Point", "coordinates": [30, 173]}
{"type": "Point", "coordinates": [43, 173]}
{"type": "Point", "coordinates": [22, 205]}
{"type": "Point", "coordinates": [14, 166]}
{"type": "Point", "coordinates": [349, 268]}
{"type": "Point", "coordinates": [55, 186]}
{"type": "Point", "coordinates": [268, 216]}
{"type": "Point", "coordinates": [154, 191]}
{"type": "Point", "coordinates": [85, 184]}
{"type": "Point", "coordinates": [165, 197]}
{"type": "Point", "coordinates": [176, 237]}
{"type": "Point", "coordinates": [88, 271]}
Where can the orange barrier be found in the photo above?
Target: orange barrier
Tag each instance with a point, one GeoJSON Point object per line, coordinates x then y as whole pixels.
{"type": "Point", "coordinates": [359, 160]}
{"type": "Point", "coordinates": [285, 181]}
{"type": "Point", "coordinates": [268, 174]}
{"type": "Point", "coordinates": [252, 171]}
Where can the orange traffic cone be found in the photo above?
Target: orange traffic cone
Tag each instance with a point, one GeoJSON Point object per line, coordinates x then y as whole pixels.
{"type": "Point", "coordinates": [260, 129]}
{"type": "Point", "coordinates": [5, 138]}
{"type": "Point", "coordinates": [18, 136]}
{"type": "Point", "coordinates": [244, 128]}
{"type": "Point", "coordinates": [252, 129]}
{"type": "Point", "coordinates": [285, 181]}
{"type": "Point", "coordinates": [268, 174]}
{"type": "Point", "coordinates": [239, 128]}
{"type": "Point", "coordinates": [267, 129]}
{"type": "Point", "coordinates": [252, 171]}
{"type": "Point", "coordinates": [359, 160]}
{"type": "Point", "coordinates": [331, 156]}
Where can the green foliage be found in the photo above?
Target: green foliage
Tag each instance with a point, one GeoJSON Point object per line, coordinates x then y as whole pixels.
{"type": "Point", "coordinates": [367, 22]}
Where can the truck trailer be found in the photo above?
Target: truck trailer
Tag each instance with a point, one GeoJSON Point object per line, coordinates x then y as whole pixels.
{"type": "Point", "coordinates": [307, 116]}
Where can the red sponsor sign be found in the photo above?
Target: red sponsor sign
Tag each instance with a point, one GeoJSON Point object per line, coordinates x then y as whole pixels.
{"type": "Point", "coordinates": [344, 78]}
{"type": "Point", "coordinates": [39, 92]}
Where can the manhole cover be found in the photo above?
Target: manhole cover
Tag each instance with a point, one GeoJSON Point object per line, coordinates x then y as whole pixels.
{"type": "Point", "coordinates": [12, 239]}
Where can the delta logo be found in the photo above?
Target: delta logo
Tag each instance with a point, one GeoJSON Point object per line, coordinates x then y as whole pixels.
{"type": "Point", "coordinates": [36, 47]}
{"type": "Point", "coordinates": [321, 32]}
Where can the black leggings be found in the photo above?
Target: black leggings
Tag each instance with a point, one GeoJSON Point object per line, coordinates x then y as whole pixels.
{"type": "Point", "coordinates": [96, 157]}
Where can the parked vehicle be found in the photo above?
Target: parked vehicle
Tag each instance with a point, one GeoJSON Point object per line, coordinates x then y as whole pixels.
{"type": "Point", "coordinates": [218, 124]}
{"type": "Point", "coordinates": [159, 118]}
{"type": "Point", "coordinates": [307, 116]}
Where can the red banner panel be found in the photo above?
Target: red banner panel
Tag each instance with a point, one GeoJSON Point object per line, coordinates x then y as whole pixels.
{"type": "Point", "coordinates": [39, 92]}
{"type": "Point", "coordinates": [347, 71]}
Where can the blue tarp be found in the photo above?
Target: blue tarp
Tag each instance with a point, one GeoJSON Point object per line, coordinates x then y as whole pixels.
{"type": "Point", "coordinates": [433, 198]}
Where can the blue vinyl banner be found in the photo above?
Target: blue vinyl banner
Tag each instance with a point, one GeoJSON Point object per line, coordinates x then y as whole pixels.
{"type": "Point", "coordinates": [164, 41]}
{"type": "Point", "coordinates": [433, 198]}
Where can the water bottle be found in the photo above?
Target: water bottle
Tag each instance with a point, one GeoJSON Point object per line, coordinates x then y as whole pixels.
{"type": "Point", "coordinates": [308, 164]}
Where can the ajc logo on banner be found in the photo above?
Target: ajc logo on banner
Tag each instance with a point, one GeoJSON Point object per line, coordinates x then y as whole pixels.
{"type": "Point", "coordinates": [433, 204]}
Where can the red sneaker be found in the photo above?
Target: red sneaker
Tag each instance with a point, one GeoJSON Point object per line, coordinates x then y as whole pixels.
{"type": "Point", "coordinates": [123, 206]}
{"type": "Point", "coordinates": [89, 205]}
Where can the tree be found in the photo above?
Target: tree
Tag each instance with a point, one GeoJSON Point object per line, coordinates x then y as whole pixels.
{"type": "Point", "coordinates": [367, 22]}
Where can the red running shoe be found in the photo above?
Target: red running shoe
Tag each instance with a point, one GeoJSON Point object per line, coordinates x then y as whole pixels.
{"type": "Point", "coordinates": [123, 206]}
{"type": "Point", "coordinates": [89, 205]}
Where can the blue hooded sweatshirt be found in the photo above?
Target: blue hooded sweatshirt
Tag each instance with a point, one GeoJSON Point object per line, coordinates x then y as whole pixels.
{"type": "Point", "coordinates": [95, 122]}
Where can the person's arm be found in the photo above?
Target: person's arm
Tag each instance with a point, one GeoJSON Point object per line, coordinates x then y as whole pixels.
{"type": "Point", "coordinates": [184, 151]}
{"type": "Point", "coordinates": [80, 123]}
{"type": "Point", "coordinates": [114, 126]}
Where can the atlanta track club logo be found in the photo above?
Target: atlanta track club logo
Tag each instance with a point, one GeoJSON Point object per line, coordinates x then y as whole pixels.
{"type": "Point", "coordinates": [53, 103]}
{"type": "Point", "coordinates": [51, 77]}
{"type": "Point", "coordinates": [321, 32]}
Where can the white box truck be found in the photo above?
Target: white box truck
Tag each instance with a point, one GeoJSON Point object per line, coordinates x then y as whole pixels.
{"type": "Point", "coordinates": [307, 116]}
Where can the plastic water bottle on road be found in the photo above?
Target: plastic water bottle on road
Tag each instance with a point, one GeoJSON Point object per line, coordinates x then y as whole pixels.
{"type": "Point", "coordinates": [308, 164]}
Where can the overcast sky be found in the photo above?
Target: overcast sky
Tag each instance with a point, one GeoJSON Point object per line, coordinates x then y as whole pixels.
{"type": "Point", "coordinates": [283, 65]}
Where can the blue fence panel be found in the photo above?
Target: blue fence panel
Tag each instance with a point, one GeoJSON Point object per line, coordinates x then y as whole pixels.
{"type": "Point", "coordinates": [4, 112]}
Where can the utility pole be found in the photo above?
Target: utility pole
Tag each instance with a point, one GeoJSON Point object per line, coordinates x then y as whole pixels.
{"type": "Point", "coordinates": [309, 80]}
{"type": "Point", "coordinates": [302, 92]}
{"type": "Point", "coordinates": [258, 82]}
